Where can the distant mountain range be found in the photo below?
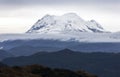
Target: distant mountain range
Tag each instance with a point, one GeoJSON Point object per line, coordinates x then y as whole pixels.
{"type": "Point", "coordinates": [29, 47]}
{"type": "Point", "coordinates": [101, 64]}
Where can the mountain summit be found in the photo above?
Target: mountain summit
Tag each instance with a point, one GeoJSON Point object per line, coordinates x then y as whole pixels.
{"type": "Point", "coordinates": [67, 23]}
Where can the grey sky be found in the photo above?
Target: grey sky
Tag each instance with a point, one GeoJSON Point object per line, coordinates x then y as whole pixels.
{"type": "Point", "coordinates": [55, 2]}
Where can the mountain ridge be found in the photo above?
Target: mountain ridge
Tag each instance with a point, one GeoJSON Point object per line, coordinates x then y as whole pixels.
{"type": "Point", "coordinates": [99, 63]}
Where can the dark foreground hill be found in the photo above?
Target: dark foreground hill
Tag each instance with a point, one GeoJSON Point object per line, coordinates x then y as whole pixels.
{"type": "Point", "coordinates": [2, 65]}
{"type": "Point", "coordinates": [40, 71]}
{"type": "Point", "coordinates": [101, 64]}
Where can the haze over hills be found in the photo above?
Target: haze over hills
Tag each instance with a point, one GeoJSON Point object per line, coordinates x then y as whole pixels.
{"type": "Point", "coordinates": [29, 47]}
{"type": "Point", "coordinates": [5, 54]}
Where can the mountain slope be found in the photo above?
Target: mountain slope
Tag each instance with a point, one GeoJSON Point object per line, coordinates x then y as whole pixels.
{"type": "Point", "coordinates": [101, 64]}
{"type": "Point", "coordinates": [5, 54]}
{"type": "Point", "coordinates": [41, 71]}
{"type": "Point", "coordinates": [2, 65]}
{"type": "Point", "coordinates": [65, 24]}
{"type": "Point", "coordinates": [30, 50]}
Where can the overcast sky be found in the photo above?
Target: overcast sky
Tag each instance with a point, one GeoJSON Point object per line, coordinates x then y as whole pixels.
{"type": "Point", "coordinates": [17, 16]}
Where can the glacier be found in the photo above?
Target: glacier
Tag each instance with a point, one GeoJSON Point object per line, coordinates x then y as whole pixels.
{"type": "Point", "coordinates": [65, 24]}
{"type": "Point", "coordinates": [68, 27]}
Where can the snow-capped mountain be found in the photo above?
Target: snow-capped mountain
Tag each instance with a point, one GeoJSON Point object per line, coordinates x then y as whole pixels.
{"type": "Point", "coordinates": [68, 27]}
{"type": "Point", "coordinates": [67, 23]}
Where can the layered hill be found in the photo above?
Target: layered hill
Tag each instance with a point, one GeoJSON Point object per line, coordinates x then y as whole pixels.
{"type": "Point", "coordinates": [101, 64]}
{"type": "Point", "coordinates": [5, 54]}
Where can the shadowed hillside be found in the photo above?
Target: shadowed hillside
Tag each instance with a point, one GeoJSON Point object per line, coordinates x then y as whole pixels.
{"type": "Point", "coordinates": [40, 71]}
{"type": "Point", "coordinates": [2, 65]}
{"type": "Point", "coordinates": [101, 64]}
{"type": "Point", "coordinates": [5, 54]}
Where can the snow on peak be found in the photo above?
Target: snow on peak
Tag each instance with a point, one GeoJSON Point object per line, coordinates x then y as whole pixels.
{"type": "Point", "coordinates": [96, 23]}
{"type": "Point", "coordinates": [67, 23]}
{"type": "Point", "coordinates": [71, 15]}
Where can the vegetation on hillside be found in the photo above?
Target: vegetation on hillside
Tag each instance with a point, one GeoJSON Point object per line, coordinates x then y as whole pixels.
{"type": "Point", "coordinates": [40, 71]}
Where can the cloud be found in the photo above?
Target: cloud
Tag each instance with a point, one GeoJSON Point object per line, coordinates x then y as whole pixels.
{"type": "Point", "coordinates": [52, 2]}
